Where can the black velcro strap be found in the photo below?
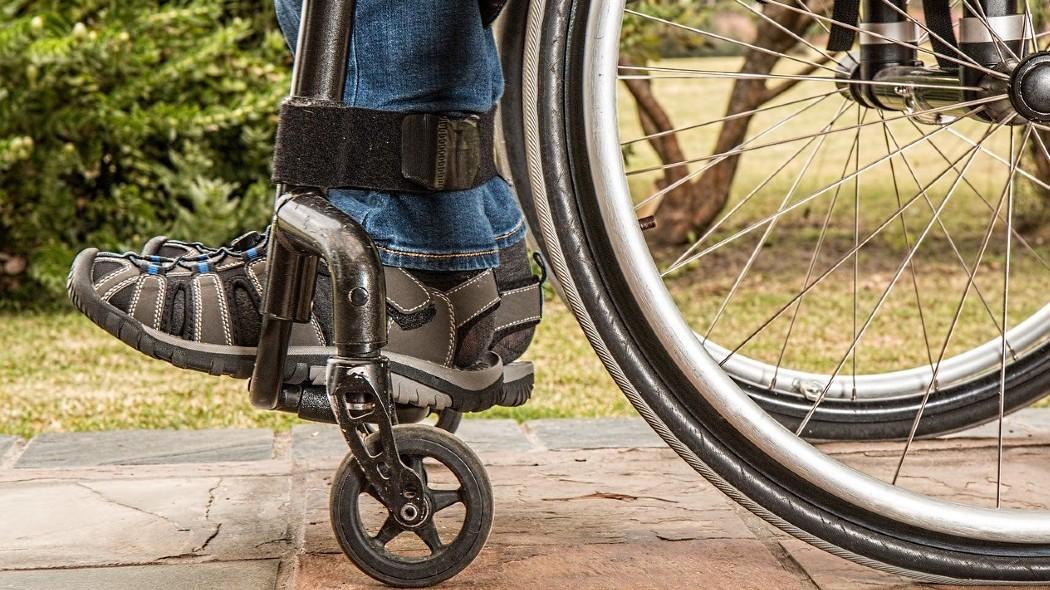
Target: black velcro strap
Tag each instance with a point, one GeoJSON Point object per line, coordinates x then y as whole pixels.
{"type": "Point", "coordinates": [330, 145]}
{"type": "Point", "coordinates": [938, 14]}
{"type": "Point", "coordinates": [846, 12]}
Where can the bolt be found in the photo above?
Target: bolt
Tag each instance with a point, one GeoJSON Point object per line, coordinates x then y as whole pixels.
{"type": "Point", "coordinates": [409, 513]}
{"type": "Point", "coordinates": [359, 297]}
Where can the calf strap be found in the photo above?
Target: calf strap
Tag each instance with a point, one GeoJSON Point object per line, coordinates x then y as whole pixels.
{"type": "Point", "coordinates": [330, 145]}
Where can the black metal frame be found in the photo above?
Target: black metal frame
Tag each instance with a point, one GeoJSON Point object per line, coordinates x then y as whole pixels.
{"type": "Point", "coordinates": [891, 64]}
{"type": "Point", "coordinates": [307, 228]}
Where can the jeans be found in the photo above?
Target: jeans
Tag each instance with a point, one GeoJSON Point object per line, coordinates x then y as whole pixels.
{"type": "Point", "coordinates": [425, 56]}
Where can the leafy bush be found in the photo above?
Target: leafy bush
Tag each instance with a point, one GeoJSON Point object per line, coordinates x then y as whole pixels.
{"type": "Point", "coordinates": [123, 119]}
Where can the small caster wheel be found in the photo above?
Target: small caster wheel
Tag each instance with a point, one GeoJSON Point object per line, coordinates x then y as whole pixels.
{"type": "Point", "coordinates": [432, 551]}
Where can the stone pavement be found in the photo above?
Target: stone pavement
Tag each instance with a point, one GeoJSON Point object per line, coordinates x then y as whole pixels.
{"type": "Point", "coordinates": [579, 503]}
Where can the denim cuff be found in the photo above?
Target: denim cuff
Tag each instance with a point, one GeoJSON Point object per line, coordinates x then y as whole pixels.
{"type": "Point", "coordinates": [440, 260]}
{"type": "Point", "coordinates": [451, 231]}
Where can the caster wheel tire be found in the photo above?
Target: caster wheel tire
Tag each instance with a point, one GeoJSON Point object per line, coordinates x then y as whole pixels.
{"type": "Point", "coordinates": [390, 555]}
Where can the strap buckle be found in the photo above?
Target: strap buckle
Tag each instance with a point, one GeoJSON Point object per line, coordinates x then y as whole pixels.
{"type": "Point", "coordinates": [439, 152]}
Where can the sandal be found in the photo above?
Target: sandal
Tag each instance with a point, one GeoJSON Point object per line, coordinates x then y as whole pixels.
{"type": "Point", "coordinates": [521, 293]}
{"type": "Point", "coordinates": [200, 312]}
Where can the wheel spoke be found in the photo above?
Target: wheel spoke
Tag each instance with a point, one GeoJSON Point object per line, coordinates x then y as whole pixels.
{"type": "Point", "coordinates": [999, 43]}
{"type": "Point", "coordinates": [969, 64]}
{"type": "Point", "coordinates": [445, 498]}
{"type": "Point", "coordinates": [428, 533]}
{"type": "Point", "coordinates": [790, 33]}
{"type": "Point", "coordinates": [803, 202]}
{"type": "Point", "coordinates": [660, 193]}
{"type": "Point", "coordinates": [672, 73]}
{"type": "Point", "coordinates": [740, 115]}
{"type": "Point", "coordinates": [812, 265]}
{"type": "Point", "coordinates": [754, 191]}
{"type": "Point", "coordinates": [1030, 26]}
{"type": "Point", "coordinates": [769, 228]}
{"type": "Point", "coordinates": [889, 288]}
{"type": "Point", "coordinates": [1006, 306]}
{"type": "Point", "coordinates": [824, 9]}
{"type": "Point", "coordinates": [948, 236]}
{"type": "Point", "coordinates": [955, 321]}
{"type": "Point", "coordinates": [886, 222]}
{"type": "Point", "coordinates": [389, 531]}
{"type": "Point", "coordinates": [725, 39]}
{"type": "Point", "coordinates": [1017, 236]}
{"type": "Point", "coordinates": [744, 149]}
{"type": "Point", "coordinates": [927, 33]}
{"type": "Point", "coordinates": [886, 136]}
{"type": "Point", "coordinates": [856, 253]}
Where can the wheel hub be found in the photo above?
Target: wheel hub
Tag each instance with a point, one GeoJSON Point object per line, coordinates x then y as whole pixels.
{"type": "Point", "coordinates": [1030, 88]}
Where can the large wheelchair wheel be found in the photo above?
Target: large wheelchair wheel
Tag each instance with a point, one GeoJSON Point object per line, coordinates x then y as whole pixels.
{"type": "Point", "coordinates": [812, 283]}
{"type": "Point", "coordinates": [644, 326]}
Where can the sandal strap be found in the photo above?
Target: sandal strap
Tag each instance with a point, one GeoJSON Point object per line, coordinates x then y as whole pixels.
{"type": "Point", "coordinates": [520, 308]}
{"type": "Point", "coordinates": [212, 322]}
{"type": "Point", "coordinates": [404, 292]}
{"type": "Point", "coordinates": [147, 305]}
{"type": "Point", "coordinates": [474, 297]}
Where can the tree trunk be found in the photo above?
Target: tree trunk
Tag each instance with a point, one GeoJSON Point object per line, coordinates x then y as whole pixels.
{"type": "Point", "coordinates": [690, 209]}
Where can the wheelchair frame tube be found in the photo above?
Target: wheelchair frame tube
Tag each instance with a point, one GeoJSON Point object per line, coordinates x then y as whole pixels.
{"type": "Point", "coordinates": [306, 227]}
{"type": "Point", "coordinates": [888, 64]}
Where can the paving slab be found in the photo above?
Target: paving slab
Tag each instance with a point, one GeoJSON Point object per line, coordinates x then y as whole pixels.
{"type": "Point", "coordinates": [579, 503]}
{"type": "Point", "coordinates": [146, 447]}
{"type": "Point", "coordinates": [6, 442]}
{"type": "Point", "coordinates": [602, 433]}
{"type": "Point", "coordinates": [1027, 423]}
{"type": "Point", "coordinates": [323, 443]}
{"type": "Point", "coordinates": [135, 521]}
{"type": "Point", "coordinates": [494, 436]}
{"type": "Point", "coordinates": [317, 442]}
{"type": "Point", "coordinates": [580, 498]}
{"type": "Point", "coordinates": [708, 564]}
{"type": "Point", "coordinates": [244, 575]}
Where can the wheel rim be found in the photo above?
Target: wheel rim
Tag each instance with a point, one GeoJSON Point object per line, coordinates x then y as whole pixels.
{"type": "Point", "coordinates": [680, 342]}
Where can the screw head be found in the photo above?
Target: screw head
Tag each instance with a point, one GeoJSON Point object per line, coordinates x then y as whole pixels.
{"type": "Point", "coordinates": [359, 297]}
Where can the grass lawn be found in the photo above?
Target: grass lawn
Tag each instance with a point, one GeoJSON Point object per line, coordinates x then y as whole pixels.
{"type": "Point", "coordinates": [58, 372]}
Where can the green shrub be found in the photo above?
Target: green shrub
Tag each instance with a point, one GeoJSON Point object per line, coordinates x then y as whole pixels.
{"type": "Point", "coordinates": [123, 119]}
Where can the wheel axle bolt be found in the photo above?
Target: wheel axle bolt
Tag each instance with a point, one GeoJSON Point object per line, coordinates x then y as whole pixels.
{"type": "Point", "coordinates": [409, 513]}
{"type": "Point", "coordinates": [1030, 88]}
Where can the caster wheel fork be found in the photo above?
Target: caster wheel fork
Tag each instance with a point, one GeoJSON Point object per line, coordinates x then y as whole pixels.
{"type": "Point", "coordinates": [394, 467]}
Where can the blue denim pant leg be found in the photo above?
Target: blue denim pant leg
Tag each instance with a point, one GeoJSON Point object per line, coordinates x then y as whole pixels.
{"type": "Point", "coordinates": [425, 56]}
